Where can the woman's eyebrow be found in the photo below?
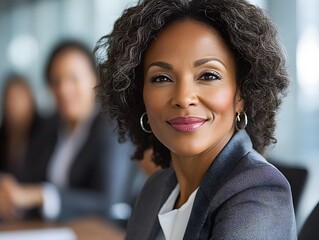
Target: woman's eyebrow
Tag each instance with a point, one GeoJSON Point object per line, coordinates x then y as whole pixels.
{"type": "Point", "coordinates": [202, 61]}
{"type": "Point", "coordinates": [161, 64]}
{"type": "Point", "coordinates": [197, 63]}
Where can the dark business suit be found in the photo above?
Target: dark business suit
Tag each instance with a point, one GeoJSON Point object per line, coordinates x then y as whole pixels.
{"type": "Point", "coordinates": [98, 173]}
{"type": "Point", "coordinates": [16, 167]}
{"type": "Point", "coordinates": [241, 196]}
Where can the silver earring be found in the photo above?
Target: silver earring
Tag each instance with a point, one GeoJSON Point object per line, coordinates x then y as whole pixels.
{"type": "Point", "coordinates": [142, 123]}
{"type": "Point", "coordinates": [240, 122]}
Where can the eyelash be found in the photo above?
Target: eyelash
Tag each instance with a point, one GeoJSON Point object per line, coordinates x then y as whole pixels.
{"type": "Point", "coordinates": [214, 74]}
{"type": "Point", "coordinates": [155, 79]}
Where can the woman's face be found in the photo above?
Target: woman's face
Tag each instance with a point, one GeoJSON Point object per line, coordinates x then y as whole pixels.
{"type": "Point", "coordinates": [72, 83]}
{"type": "Point", "coordinates": [19, 106]}
{"type": "Point", "coordinates": [190, 90]}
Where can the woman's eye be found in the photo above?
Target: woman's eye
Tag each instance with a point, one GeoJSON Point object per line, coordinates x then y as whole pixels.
{"type": "Point", "coordinates": [210, 76]}
{"type": "Point", "coordinates": [160, 78]}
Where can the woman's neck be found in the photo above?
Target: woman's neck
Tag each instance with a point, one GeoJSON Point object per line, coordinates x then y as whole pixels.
{"type": "Point", "coordinates": [16, 129]}
{"type": "Point", "coordinates": [71, 126]}
{"type": "Point", "coordinates": [72, 123]}
{"type": "Point", "coordinates": [190, 171]}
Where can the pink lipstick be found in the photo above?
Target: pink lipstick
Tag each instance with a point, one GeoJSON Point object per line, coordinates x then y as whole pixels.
{"type": "Point", "coordinates": [186, 124]}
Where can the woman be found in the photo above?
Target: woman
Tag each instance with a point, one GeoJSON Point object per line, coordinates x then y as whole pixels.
{"type": "Point", "coordinates": [19, 121]}
{"type": "Point", "coordinates": [202, 79]}
{"type": "Point", "coordinates": [70, 163]}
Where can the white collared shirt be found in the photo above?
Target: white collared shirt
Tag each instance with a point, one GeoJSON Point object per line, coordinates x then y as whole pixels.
{"type": "Point", "coordinates": [174, 221]}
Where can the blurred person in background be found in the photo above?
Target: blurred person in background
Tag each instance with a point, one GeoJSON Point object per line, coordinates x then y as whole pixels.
{"type": "Point", "coordinates": [145, 156]}
{"type": "Point", "coordinates": [148, 167]}
{"type": "Point", "coordinates": [147, 164]}
{"type": "Point", "coordinates": [75, 165]}
{"type": "Point", "coordinates": [19, 121]}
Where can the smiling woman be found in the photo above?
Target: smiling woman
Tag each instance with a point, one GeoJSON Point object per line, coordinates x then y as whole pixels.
{"type": "Point", "coordinates": [194, 87]}
{"type": "Point", "coordinates": [204, 80]}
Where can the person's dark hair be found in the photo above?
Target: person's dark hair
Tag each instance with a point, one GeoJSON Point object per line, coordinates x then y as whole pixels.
{"type": "Point", "coordinates": [66, 46]}
{"type": "Point", "coordinates": [261, 71]}
{"type": "Point", "coordinates": [12, 80]}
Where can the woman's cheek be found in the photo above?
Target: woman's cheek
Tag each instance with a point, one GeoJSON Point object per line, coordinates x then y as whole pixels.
{"type": "Point", "coordinates": [219, 101]}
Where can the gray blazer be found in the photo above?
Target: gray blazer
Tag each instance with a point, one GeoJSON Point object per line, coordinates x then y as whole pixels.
{"type": "Point", "coordinates": [242, 196]}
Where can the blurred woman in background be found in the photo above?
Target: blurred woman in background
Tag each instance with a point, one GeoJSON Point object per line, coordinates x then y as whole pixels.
{"type": "Point", "coordinates": [19, 120]}
{"type": "Point", "coordinates": [70, 165]}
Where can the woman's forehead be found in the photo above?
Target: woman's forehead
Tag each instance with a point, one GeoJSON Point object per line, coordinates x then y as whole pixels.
{"type": "Point", "coordinates": [188, 39]}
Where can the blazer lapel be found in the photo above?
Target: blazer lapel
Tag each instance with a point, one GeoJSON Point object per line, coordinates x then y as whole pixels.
{"type": "Point", "coordinates": [236, 148]}
{"type": "Point", "coordinates": [154, 222]}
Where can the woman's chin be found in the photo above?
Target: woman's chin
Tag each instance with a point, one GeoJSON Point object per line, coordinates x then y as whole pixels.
{"type": "Point", "coordinates": [187, 151]}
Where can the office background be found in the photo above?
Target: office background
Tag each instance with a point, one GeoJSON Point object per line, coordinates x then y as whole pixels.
{"type": "Point", "coordinates": [30, 28]}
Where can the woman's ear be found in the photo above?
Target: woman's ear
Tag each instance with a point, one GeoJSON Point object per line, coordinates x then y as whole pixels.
{"type": "Point", "coordinates": [239, 102]}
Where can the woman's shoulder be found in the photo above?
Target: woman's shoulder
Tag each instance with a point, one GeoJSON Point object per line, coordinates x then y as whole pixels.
{"type": "Point", "coordinates": [251, 174]}
{"type": "Point", "coordinates": [258, 194]}
{"type": "Point", "coordinates": [259, 170]}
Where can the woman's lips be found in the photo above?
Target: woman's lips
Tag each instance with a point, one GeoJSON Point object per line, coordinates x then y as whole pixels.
{"type": "Point", "coordinates": [187, 124]}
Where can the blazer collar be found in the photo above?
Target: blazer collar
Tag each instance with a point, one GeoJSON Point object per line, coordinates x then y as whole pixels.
{"type": "Point", "coordinates": [170, 184]}
{"type": "Point", "coordinates": [239, 145]}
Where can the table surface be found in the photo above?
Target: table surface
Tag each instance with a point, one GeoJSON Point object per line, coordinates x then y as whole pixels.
{"type": "Point", "coordinates": [89, 228]}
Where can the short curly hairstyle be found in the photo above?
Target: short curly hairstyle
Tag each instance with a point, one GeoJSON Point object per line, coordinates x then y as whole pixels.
{"type": "Point", "coordinates": [261, 66]}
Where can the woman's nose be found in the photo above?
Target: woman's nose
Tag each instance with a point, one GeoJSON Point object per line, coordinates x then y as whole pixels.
{"type": "Point", "coordinates": [184, 94]}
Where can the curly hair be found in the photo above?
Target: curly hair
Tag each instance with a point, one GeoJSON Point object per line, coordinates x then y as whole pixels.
{"type": "Point", "coordinates": [261, 67]}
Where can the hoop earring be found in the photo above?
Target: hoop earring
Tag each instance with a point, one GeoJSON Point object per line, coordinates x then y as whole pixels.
{"type": "Point", "coordinates": [239, 123]}
{"type": "Point", "coordinates": [142, 124]}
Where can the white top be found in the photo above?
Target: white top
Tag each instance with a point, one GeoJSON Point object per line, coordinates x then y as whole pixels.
{"type": "Point", "coordinates": [174, 221]}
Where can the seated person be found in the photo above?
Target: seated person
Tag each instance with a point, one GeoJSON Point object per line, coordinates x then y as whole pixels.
{"type": "Point", "coordinates": [19, 121]}
{"type": "Point", "coordinates": [147, 164]}
{"type": "Point", "coordinates": [75, 165]}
